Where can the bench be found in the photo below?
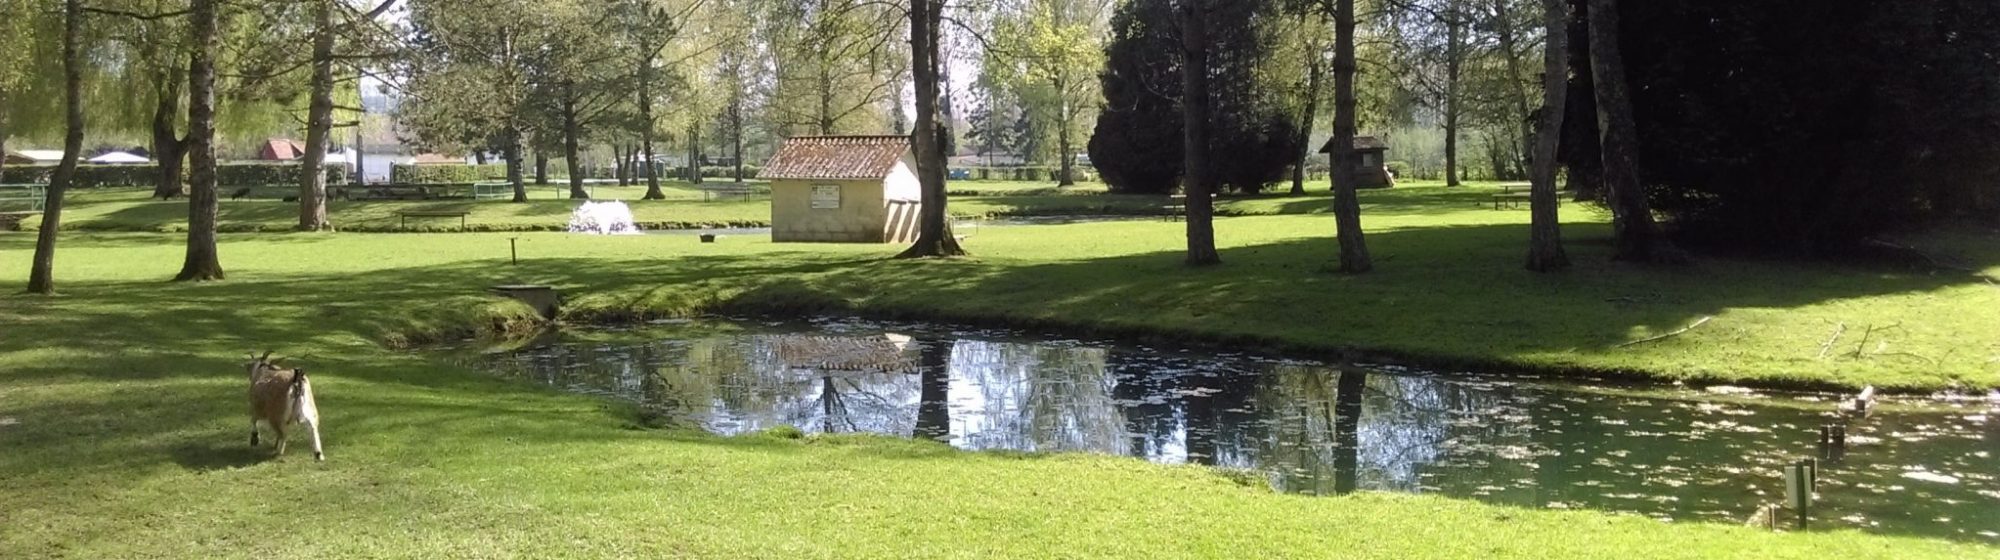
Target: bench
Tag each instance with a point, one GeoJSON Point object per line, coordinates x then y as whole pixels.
{"type": "Point", "coordinates": [719, 192]}
{"type": "Point", "coordinates": [407, 214]}
{"type": "Point", "coordinates": [1511, 200]}
{"type": "Point", "coordinates": [33, 194]}
{"type": "Point", "coordinates": [1175, 209]}
{"type": "Point", "coordinates": [11, 221]}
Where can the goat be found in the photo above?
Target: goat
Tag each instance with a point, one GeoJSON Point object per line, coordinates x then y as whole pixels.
{"type": "Point", "coordinates": [280, 398]}
{"type": "Point", "coordinates": [240, 193]}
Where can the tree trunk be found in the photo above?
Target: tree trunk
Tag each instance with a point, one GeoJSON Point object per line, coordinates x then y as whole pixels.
{"type": "Point", "coordinates": [1347, 428]}
{"type": "Point", "coordinates": [1354, 257]}
{"type": "Point", "coordinates": [1504, 27]}
{"type": "Point", "coordinates": [1315, 71]}
{"type": "Point", "coordinates": [319, 123]}
{"type": "Point", "coordinates": [934, 396]}
{"type": "Point", "coordinates": [1545, 248]}
{"type": "Point", "coordinates": [3, 136]}
{"type": "Point", "coordinates": [512, 151]}
{"type": "Point", "coordinates": [1637, 237]}
{"type": "Point", "coordinates": [169, 151]}
{"type": "Point", "coordinates": [934, 236]}
{"type": "Point", "coordinates": [653, 191]}
{"type": "Point", "coordinates": [736, 130]}
{"type": "Point", "coordinates": [202, 263]}
{"type": "Point", "coordinates": [1065, 121]}
{"type": "Point", "coordinates": [479, 156]}
{"type": "Point", "coordinates": [541, 169]}
{"type": "Point", "coordinates": [360, 176]}
{"type": "Point", "coordinates": [1452, 65]}
{"type": "Point", "coordinates": [41, 274]}
{"type": "Point", "coordinates": [1194, 117]}
{"type": "Point", "coordinates": [573, 160]}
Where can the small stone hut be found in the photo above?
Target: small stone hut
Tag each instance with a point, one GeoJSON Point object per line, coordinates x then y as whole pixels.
{"type": "Point", "coordinates": [1371, 171]}
{"type": "Point", "coordinates": [844, 189]}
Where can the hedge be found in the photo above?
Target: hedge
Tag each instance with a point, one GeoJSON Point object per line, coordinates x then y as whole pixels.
{"type": "Point", "coordinates": [1029, 173]}
{"type": "Point", "coordinates": [226, 175]}
{"type": "Point", "coordinates": [446, 173]}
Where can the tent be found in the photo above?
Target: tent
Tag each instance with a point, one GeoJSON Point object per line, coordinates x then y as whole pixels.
{"type": "Point", "coordinates": [117, 158]}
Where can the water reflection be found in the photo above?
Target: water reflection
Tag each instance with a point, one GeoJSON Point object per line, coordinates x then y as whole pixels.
{"type": "Point", "coordinates": [1673, 455]}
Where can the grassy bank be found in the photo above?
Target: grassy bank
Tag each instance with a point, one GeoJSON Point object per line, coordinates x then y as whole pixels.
{"type": "Point", "coordinates": [123, 421]}
{"type": "Point", "coordinates": [121, 415]}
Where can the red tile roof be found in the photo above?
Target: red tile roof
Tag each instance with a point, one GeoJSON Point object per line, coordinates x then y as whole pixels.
{"type": "Point", "coordinates": [837, 157]}
{"type": "Point", "coordinates": [277, 149]}
{"type": "Point", "coordinates": [1361, 144]}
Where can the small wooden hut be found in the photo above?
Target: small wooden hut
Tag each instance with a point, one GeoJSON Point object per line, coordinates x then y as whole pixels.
{"type": "Point", "coordinates": [1371, 169]}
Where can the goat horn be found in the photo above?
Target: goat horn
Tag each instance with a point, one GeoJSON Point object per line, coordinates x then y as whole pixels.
{"type": "Point", "coordinates": [267, 356]}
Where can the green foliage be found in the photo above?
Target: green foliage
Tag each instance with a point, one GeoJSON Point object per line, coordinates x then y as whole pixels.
{"type": "Point", "coordinates": [1253, 136]}
{"type": "Point", "coordinates": [446, 173]}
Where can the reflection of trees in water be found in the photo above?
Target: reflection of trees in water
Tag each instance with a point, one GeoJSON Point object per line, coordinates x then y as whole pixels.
{"type": "Point", "coordinates": [1042, 398]}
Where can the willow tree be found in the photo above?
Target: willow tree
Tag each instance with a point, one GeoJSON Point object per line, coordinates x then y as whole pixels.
{"type": "Point", "coordinates": [41, 277]}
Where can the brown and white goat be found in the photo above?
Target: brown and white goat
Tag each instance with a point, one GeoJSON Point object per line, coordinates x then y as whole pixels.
{"type": "Point", "coordinates": [279, 398]}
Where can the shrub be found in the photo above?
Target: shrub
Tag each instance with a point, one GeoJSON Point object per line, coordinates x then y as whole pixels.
{"type": "Point", "coordinates": [446, 173]}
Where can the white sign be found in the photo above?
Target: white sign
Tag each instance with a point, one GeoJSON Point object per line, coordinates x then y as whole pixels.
{"type": "Point", "coordinates": [826, 197]}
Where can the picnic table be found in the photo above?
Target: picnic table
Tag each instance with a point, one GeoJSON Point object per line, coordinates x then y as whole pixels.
{"type": "Point", "coordinates": [1176, 208]}
{"type": "Point", "coordinates": [491, 190]}
{"type": "Point", "coordinates": [35, 194]}
{"type": "Point", "coordinates": [1510, 200]}
{"type": "Point", "coordinates": [407, 214]}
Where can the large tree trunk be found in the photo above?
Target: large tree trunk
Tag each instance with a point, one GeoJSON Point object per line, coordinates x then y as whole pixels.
{"type": "Point", "coordinates": [41, 274]}
{"type": "Point", "coordinates": [512, 151]}
{"type": "Point", "coordinates": [541, 169]}
{"type": "Point", "coordinates": [319, 123]}
{"type": "Point", "coordinates": [1503, 26]}
{"type": "Point", "coordinates": [3, 136]}
{"type": "Point", "coordinates": [1453, 62]}
{"type": "Point", "coordinates": [736, 130]}
{"type": "Point", "coordinates": [1637, 236]}
{"type": "Point", "coordinates": [934, 236]}
{"type": "Point", "coordinates": [1354, 257]}
{"type": "Point", "coordinates": [1194, 117]}
{"type": "Point", "coordinates": [573, 159]}
{"type": "Point", "coordinates": [1315, 72]}
{"type": "Point", "coordinates": [934, 395]}
{"type": "Point", "coordinates": [169, 151]}
{"type": "Point", "coordinates": [653, 191]}
{"type": "Point", "coordinates": [202, 263]}
{"type": "Point", "coordinates": [1545, 248]}
{"type": "Point", "coordinates": [1065, 121]}
{"type": "Point", "coordinates": [1347, 429]}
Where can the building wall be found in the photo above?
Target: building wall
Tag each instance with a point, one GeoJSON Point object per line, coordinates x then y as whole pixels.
{"type": "Point", "coordinates": [861, 218]}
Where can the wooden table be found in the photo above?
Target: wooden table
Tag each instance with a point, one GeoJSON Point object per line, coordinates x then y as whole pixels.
{"type": "Point", "coordinates": [35, 194]}
{"type": "Point", "coordinates": [1510, 200]}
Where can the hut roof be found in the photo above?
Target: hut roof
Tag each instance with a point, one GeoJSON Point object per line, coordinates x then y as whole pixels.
{"type": "Point", "coordinates": [279, 149]}
{"type": "Point", "coordinates": [1361, 144]}
{"type": "Point", "coordinates": [14, 157]}
{"type": "Point", "coordinates": [837, 157]}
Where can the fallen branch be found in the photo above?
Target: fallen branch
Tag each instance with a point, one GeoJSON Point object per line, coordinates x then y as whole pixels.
{"type": "Point", "coordinates": [1838, 330]}
{"type": "Point", "coordinates": [1862, 348]}
{"type": "Point", "coordinates": [1684, 330]}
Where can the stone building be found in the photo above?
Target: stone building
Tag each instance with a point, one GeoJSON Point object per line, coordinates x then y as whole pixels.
{"type": "Point", "coordinates": [844, 189]}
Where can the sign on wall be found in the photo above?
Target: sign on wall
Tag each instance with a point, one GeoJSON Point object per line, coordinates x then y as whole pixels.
{"type": "Point", "coordinates": [826, 197]}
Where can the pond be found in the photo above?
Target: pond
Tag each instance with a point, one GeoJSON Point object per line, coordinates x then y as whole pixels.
{"type": "Point", "coordinates": [1917, 467]}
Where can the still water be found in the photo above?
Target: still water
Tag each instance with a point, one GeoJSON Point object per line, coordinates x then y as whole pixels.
{"type": "Point", "coordinates": [1912, 467]}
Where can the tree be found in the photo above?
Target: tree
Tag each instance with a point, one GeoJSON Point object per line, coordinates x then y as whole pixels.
{"type": "Point", "coordinates": [41, 277]}
{"type": "Point", "coordinates": [1046, 52]}
{"type": "Point", "coordinates": [1637, 236]}
{"type": "Point", "coordinates": [1194, 111]}
{"type": "Point", "coordinates": [202, 263]}
{"type": "Point", "coordinates": [1435, 47]}
{"type": "Point", "coordinates": [1545, 247]}
{"type": "Point", "coordinates": [319, 114]}
{"type": "Point", "coordinates": [1354, 257]}
{"type": "Point", "coordinates": [1313, 19]}
{"type": "Point", "coordinates": [934, 237]}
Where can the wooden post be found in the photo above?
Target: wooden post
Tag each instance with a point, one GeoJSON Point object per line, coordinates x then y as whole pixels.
{"type": "Point", "coordinates": [1798, 492]}
{"type": "Point", "coordinates": [513, 252]}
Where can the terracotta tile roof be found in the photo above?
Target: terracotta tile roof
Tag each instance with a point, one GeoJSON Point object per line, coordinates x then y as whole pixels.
{"type": "Point", "coordinates": [1361, 143]}
{"type": "Point", "coordinates": [282, 149]}
{"type": "Point", "coordinates": [836, 157]}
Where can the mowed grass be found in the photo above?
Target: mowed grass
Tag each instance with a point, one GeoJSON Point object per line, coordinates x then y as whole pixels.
{"type": "Point", "coordinates": [122, 418]}
{"type": "Point", "coordinates": [686, 207]}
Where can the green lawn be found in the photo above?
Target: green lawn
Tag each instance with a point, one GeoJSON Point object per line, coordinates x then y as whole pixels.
{"type": "Point", "coordinates": [548, 209]}
{"type": "Point", "coordinates": [121, 413]}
